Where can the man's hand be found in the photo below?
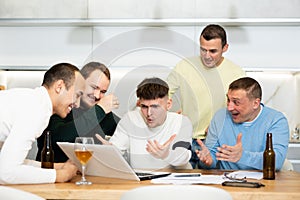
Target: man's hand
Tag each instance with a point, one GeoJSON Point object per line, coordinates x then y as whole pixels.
{"type": "Point", "coordinates": [231, 153]}
{"type": "Point", "coordinates": [204, 154]}
{"type": "Point", "coordinates": [159, 151]}
{"type": "Point", "coordinates": [66, 172]}
{"type": "Point", "coordinates": [108, 103]}
{"type": "Point", "coordinates": [102, 140]}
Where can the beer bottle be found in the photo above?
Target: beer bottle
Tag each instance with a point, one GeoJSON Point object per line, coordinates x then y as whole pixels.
{"type": "Point", "coordinates": [47, 155]}
{"type": "Point", "coordinates": [269, 159]}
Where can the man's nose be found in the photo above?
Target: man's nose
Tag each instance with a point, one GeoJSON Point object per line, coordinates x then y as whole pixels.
{"type": "Point", "coordinates": [97, 94]}
{"type": "Point", "coordinates": [230, 106]}
{"type": "Point", "coordinates": [77, 102]}
{"type": "Point", "coordinates": [149, 111]}
{"type": "Point", "coordinates": [206, 54]}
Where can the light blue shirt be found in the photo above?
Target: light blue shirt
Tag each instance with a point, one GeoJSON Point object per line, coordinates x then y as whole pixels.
{"type": "Point", "coordinates": [223, 130]}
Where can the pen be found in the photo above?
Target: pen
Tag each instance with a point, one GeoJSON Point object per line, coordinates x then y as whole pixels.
{"type": "Point", "coordinates": [187, 175]}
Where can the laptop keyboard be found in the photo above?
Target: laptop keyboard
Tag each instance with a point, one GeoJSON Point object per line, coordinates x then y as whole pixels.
{"type": "Point", "coordinates": [143, 174]}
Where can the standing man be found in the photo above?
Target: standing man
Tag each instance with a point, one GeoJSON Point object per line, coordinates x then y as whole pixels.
{"type": "Point", "coordinates": [24, 115]}
{"type": "Point", "coordinates": [237, 136]}
{"type": "Point", "coordinates": [202, 82]}
{"type": "Point", "coordinates": [154, 137]}
{"type": "Point", "coordinates": [94, 115]}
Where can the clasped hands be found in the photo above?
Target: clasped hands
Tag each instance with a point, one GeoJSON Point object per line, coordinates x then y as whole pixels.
{"type": "Point", "coordinates": [225, 152]}
{"type": "Point", "coordinates": [157, 150]}
{"type": "Point", "coordinates": [65, 171]}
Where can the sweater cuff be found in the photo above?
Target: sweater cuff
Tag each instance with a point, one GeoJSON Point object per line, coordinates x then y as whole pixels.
{"type": "Point", "coordinates": [99, 112]}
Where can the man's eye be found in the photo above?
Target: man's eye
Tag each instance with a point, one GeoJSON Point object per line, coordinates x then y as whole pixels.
{"type": "Point", "coordinates": [236, 102]}
{"type": "Point", "coordinates": [202, 50]}
{"type": "Point", "coordinates": [154, 106]}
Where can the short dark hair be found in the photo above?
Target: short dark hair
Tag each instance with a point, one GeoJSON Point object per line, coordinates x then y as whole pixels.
{"type": "Point", "coordinates": [250, 85]}
{"type": "Point", "coordinates": [88, 68]}
{"type": "Point", "coordinates": [214, 31]}
{"type": "Point", "coordinates": [60, 71]}
{"type": "Point", "coordinates": [152, 88]}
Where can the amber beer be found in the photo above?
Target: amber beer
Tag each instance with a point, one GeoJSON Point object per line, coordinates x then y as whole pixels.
{"type": "Point", "coordinates": [269, 159]}
{"type": "Point", "coordinates": [47, 154]}
{"type": "Point", "coordinates": [83, 156]}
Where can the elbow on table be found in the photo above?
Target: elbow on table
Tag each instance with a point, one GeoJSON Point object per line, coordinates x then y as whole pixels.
{"type": "Point", "coordinates": [280, 158]}
{"type": "Point", "coordinates": [7, 175]}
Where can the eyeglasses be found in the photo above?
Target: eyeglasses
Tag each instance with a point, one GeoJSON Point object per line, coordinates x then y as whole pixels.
{"type": "Point", "coordinates": [234, 178]}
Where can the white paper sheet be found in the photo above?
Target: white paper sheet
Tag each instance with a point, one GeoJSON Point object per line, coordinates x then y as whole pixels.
{"type": "Point", "coordinates": [248, 174]}
{"type": "Point", "coordinates": [203, 179]}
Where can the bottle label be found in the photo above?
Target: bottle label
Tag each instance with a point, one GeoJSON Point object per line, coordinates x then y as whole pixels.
{"type": "Point", "coordinates": [47, 165]}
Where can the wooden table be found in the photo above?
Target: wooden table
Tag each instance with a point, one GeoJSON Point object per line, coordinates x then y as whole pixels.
{"type": "Point", "coordinates": [286, 186]}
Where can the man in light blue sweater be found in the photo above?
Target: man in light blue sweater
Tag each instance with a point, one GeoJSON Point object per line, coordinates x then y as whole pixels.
{"type": "Point", "coordinates": [237, 135]}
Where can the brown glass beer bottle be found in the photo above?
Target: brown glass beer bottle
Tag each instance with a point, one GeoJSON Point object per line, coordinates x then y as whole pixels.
{"type": "Point", "coordinates": [47, 155]}
{"type": "Point", "coordinates": [269, 159]}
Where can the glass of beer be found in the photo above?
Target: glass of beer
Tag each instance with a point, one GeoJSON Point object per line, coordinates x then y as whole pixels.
{"type": "Point", "coordinates": [83, 153]}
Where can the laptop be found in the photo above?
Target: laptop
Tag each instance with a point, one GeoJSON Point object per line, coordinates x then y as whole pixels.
{"type": "Point", "coordinates": [107, 161]}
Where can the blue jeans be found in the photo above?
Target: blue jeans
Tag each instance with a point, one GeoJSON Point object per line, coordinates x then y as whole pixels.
{"type": "Point", "coordinates": [195, 162]}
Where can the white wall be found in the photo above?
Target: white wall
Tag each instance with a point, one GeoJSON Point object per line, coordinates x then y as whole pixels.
{"type": "Point", "coordinates": [149, 9]}
{"type": "Point", "coordinates": [39, 32]}
{"type": "Point", "coordinates": [263, 36]}
{"type": "Point", "coordinates": [250, 46]}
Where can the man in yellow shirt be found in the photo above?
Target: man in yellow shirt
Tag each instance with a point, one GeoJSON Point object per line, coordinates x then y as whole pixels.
{"type": "Point", "coordinates": [202, 82]}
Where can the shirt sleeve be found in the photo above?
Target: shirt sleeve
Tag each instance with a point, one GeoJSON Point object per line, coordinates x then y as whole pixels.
{"type": "Point", "coordinates": [180, 153]}
{"type": "Point", "coordinates": [78, 123]}
{"type": "Point", "coordinates": [13, 168]}
{"type": "Point", "coordinates": [120, 137]}
{"type": "Point", "coordinates": [109, 123]}
{"type": "Point", "coordinates": [82, 123]}
{"type": "Point", "coordinates": [173, 82]}
{"type": "Point", "coordinates": [212, 139]}
{"type": "Point", "coordinates": [280, 136]}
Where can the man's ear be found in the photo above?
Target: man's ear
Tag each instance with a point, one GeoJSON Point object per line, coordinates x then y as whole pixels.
{"type": "Point", "coordinates": [58, 86]}
{"type": "Point", "coordinates": [138, 103]}
{"type": "Point", "coordinates": [169, 104]}
{"type": "Point", "coordinates": [225, 48]}
{"type": "Point", "coordinates": [256, 103]}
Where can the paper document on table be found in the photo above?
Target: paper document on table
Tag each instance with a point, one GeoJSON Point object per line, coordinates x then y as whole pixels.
{"type": "Point", "coordinates": [189, 178]}
{"type": "Point", "coordinates": [248, 174]}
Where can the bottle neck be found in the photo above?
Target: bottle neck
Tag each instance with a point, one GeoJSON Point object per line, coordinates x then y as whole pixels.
{"type": "Point", "coordinates": [47, 143]}
{"type": "Point", "coordinates": [269, 144]}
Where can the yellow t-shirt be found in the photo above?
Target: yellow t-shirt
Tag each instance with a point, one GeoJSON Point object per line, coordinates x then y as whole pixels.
{"type": "Point", "coordinates": [202, 90]}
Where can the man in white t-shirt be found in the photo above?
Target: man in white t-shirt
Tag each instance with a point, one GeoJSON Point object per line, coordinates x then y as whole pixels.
{"type": "Point", "coordinates": [154, 137]}
{"type": "Point", "coordinates": [25, 114]}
